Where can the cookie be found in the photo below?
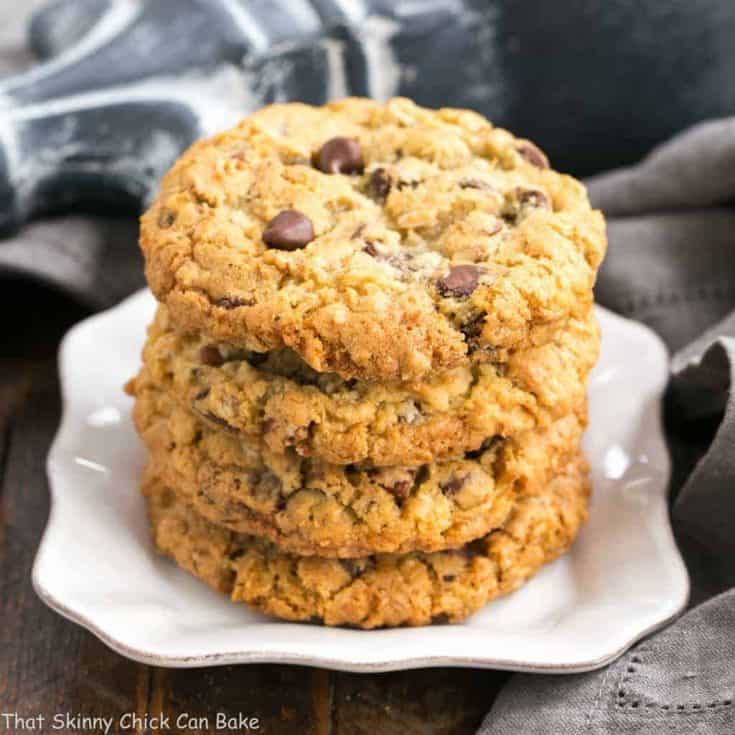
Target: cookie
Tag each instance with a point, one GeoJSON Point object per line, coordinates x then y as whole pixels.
{"type": "Point", "coordinates": [377, 241]}
{"type": "Point", "coordinates": [383, 590]}
{"type": "Point", "coordinates": [311, 507]}
{"type": "Point", "coordinates": [278, 397]}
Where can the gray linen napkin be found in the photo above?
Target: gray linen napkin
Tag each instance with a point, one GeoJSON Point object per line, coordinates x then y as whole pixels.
{"type": "Point", "coordinates": [671, 264]}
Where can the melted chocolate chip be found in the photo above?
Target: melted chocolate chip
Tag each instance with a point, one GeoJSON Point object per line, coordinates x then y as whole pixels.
{"type": "Point", "coordinates": [402, 489]}
{"type": "Point", "coordinates": [256, 359]}
{"type": "Point", "coordinates": [288, 230]}
{"type": "Point", "coordinates": [356, 567]}
{"type": "Point", "coordinates": [461, 281]}
{"type": "Point", "coordinates": [472, 331]}
{"type": "Point", "coordinates": [410, 412]}
{"type": "Point", "coordinates": [532, 198]}
{"type": "Point", "coordinates": [340, 156]}
{"type": "Point", "coordinates": [453, 485]}
{"type": "Point", "coordinates": [370, 249]}
{"type": "Point", "coordinates": [218, 420]}
{"type": "Point", "coordinates": [350, 567]}
{"type": "Point", "coordinates": [210, 355]}
{"type": "Point", "coordinates": [402, 184]}
{"type": "Point", "coordinates": [448, 577]}
{"type": "Point", "coordinates": [378, 186]}
{"type": "Point", "coordinates": [470, 183]}
{"type": "Point", "coordinates": [472, 328]}
{"type": "Point", "coordinates": [230, 302]}
{"type": "Point", "coordinates": [358, 232]}
{"type": "Point", "coordinates": [398, 482]}
{"type": "Point", "coordinates": [535, 156]}
{"type": "Point", "coordinates": [297, 436]}
{"type": "Point", "coordinates": [166, 218]}
{"type": "Point", "coordinates": [489, 443]}
{"type": "Point", "coordinates": [475, 548]}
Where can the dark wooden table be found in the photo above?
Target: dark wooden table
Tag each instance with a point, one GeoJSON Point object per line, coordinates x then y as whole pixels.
{"type": "Point", "coordinates": [49, 666]}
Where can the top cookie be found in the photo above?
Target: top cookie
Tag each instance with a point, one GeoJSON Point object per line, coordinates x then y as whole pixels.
{"type": "Point", "coordinates": [378, 241]}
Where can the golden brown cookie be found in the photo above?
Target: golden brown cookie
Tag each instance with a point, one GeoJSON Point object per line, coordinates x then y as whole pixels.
{"type": "Point", "coordinates": [381, 590]}
{"type": "Point", "coordinates": [278, 397]}
{"type": "Point", "coordinates": [311, 507]}
{"type": "Point", "coordinates": [377, 241]}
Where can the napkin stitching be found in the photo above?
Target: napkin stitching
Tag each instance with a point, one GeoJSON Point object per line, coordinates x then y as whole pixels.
{"type": "Point", "coordinates": [628, 705]}
{"type": "Point", "coordinates": [625, 676]}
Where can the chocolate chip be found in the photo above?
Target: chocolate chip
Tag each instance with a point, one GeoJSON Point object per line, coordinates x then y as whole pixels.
{"type": "Point", "coordinates": [356, 567]}
{"type": "Point", "coordinates": [256, 359]}
{"type": "Point", "coordinates": [357, 234]}
{"type": "Point", "coordinates": [350, 567]}
{"type": "Point", "coordinates": [532, 198]}
{"type": "Point", "coordinates": [340, 156]}
{"type": "Point", "coordinates": [402, 489]}
{"type": "Point", "coordinates": [210, 355]}
{"type": "Point", "coordinates": [202, 394]}
{"type": "Point", "coordinates": [288, 230]}
{"type": "Point", "coordinates": [402, 184]}
{"type": "Point", "coordinates": [166, 218]}
{"type": "Point", "coordinates": [470, 183]}
{"type": "Point", "coordinates": [218, 420]}
{"type": "Point", "coordinates": [409, 412]}
{"type": "Point", "coordinates": [378, 186]}
{"type": "Point", "coordinates": [460, 281]}
{"type": "Point", "coordinates": [397, 481]}
{"type": "Point", "coordinates": [370, 249]}
{"type": "Point", "coordinates": [475, 548]}
{"type": "Point", "coordinates": [472, 328]}
{"type": "Point", "coordinates": [453, 485]}
{"type": "Point", "coordinates": [535, 156]}
{"type": "Point", "coordinates": [298, 435]}
{"type": "Point", "coordinates": [448, 577]}
{"type": "Point", "coordinates": [230, 302]}
{"type": "Point", "coordinates": [490, 443]}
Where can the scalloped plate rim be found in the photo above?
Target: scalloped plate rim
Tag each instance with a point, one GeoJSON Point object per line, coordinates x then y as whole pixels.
{"type": "Point", "coordinates": [70, 610]}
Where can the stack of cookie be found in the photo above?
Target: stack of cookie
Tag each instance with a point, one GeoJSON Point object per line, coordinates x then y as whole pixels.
{"type": "Point", "coordinates": [363, 392]}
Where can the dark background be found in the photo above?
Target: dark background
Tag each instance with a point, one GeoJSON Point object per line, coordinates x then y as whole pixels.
{"type": "Point", "coordinates": [597, 83]}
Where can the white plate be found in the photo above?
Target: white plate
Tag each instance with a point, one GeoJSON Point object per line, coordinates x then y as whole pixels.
{"type": "Point", "coordinates": [96, 565]}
